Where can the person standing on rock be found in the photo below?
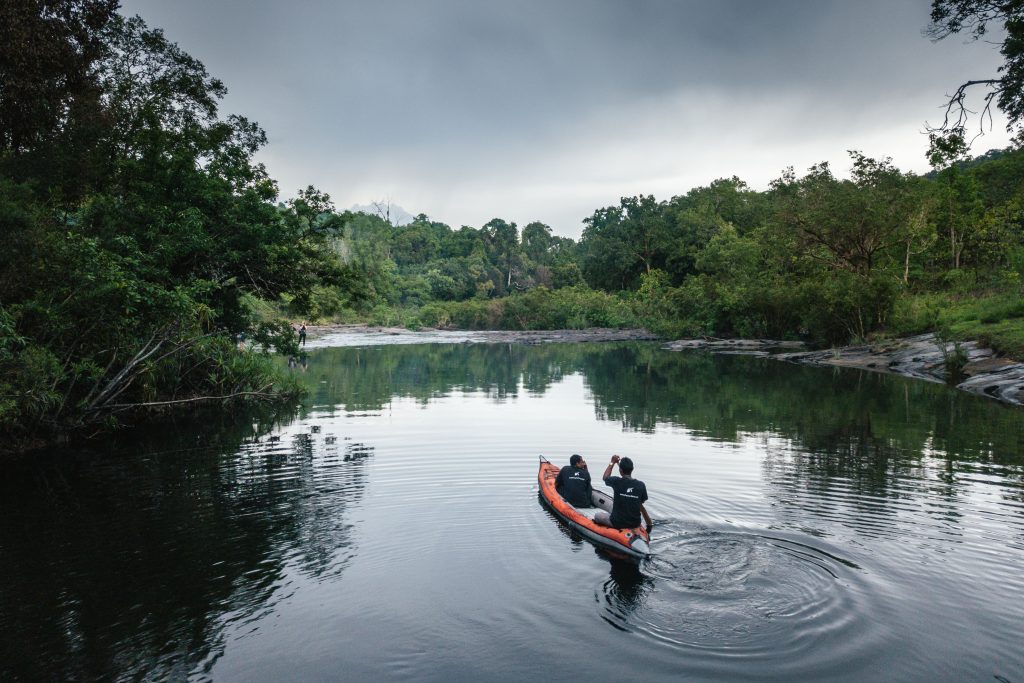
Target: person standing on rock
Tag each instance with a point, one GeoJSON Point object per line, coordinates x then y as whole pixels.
{"type": "Point", "coordinates": [302, 333]}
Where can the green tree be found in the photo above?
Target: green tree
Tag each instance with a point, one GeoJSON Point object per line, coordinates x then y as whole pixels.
{"type": "Point", "coordinates": [701, 213]}
{"type": "Point", "coordinates": [537, 240]}
{"type": "Point", "coordinates": [415, 244]}
{"type": "Point", "coordinates": [129, 297]}
{"type": "Point", "coordinates": [619, 243]}
{"type": "Point", "coordinates": [502, 241]}
{"type": "Point", "coordinates": [51, 108]}
{"type": "Point", "coordinates": [845, 224]}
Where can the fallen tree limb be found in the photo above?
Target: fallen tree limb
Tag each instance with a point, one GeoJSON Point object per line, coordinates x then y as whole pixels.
{"type": "Point", "coordinates": [117, 407]}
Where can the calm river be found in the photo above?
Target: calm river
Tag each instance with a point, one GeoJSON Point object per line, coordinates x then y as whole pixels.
{"type": "Point", "coordinates": [810, 524]}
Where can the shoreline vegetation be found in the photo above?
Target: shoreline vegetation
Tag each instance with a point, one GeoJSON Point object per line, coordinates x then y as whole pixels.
{"type": "Point", "coordinates": [146, 245]}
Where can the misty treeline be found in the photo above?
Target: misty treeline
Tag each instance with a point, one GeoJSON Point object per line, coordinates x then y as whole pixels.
{"type": "Point", "coordinates": [142, 241]}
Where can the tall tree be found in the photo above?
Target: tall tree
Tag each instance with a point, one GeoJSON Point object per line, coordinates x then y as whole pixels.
{"type": "Point", "coordinates": [128, 295]}
{"type": "Point", "coordinates": [502, 240]}
{"type": "Point", "coordinates": [537, 239]}
{"type": "Point", "coordinates": [51, 110]}
{"type": "Point", "coordinates": [621, 242]}
{"type": "Point", "coordinates": [846, 224]}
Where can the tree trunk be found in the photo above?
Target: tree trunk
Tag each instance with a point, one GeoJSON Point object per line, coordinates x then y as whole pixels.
{"type": "Point", "coordinates": [906, 264]}
{"type": "Point", "coordinates": [952, 246]}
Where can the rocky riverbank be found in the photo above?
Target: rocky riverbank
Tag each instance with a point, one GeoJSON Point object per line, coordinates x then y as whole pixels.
{"type": "Point", "coordinates": [489, 336]}
{"type": "Point", "coordinates": [921, 357]}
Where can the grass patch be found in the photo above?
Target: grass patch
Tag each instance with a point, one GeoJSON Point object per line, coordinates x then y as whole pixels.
{"type": "Point", "coordinates": [994, 318]}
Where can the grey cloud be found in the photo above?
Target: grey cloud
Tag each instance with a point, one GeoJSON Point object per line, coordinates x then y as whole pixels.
{"type": "Point", "coordinates": [424, 97]}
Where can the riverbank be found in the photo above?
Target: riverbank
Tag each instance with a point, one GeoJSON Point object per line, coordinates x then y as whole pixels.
{"type": "Point", "coordinates": [982, 371]}
{"type": "Point", "coordinates": [593, 334]}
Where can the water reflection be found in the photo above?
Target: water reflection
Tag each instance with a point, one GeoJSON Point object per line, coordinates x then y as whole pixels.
{"type": "Point", "coordinates": [132, 565]}
{"type": "Point", "coordinates": [856, 421]}
{"type": "Point", "coordinates": [624, 591]}
{"type": "Point", "coordinates": [626, 585]}
{"type": "Point", "coordinates": [798, 512]}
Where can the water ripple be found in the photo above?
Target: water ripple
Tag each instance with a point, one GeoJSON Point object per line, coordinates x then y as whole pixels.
{"type": "Point", "coordinates": [741, 595]}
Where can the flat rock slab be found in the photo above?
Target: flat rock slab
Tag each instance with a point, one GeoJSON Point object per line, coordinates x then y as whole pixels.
{"type": "Point", "coordinates": [594, 334]}
{"type": "Point", "coordinates": [921, 357]}
{"type": "Point", "coordinates": [1006, 385]}
{"type": "Point", "coordinates": [737, 345]}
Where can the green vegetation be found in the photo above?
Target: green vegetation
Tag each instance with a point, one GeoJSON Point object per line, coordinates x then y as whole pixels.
{"type": "Point", "coordinates": [135, 225]}
{"type": "Point", "coordinates": [816, 257]}
{"type": "Point", "coordinates": [143, 240]}
{"type": "Point", "coordinates": [996, 318]}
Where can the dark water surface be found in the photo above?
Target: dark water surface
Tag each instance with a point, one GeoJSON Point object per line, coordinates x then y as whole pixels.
{"type": "Point", "coordinates": [810, 524]}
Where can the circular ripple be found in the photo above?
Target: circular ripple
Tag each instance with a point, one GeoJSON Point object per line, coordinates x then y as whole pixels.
{"type": "Point", "coordinates": [742, 596]}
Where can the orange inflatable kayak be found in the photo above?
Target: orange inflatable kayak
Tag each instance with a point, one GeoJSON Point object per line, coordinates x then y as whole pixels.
{"type": "Point", "coordinates": [633, 543]}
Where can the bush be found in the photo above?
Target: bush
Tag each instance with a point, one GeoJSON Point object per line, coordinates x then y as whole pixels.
{"type": "Point", "coordinates": [387, 316]}
{"type": "Point", "coordinates": [917, 314]}
{"type": "Point", "coordinates": [28, 381]}
{"type": "Point", "coordinates": [1001, 308]}
{"type": "Point", "coordinates": [845, 307]}
{"type": "Point", "coordinates": [324, 302]}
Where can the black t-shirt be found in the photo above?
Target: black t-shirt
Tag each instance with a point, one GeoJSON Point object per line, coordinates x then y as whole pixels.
{"type": "Point", "coordinates": [629, 494]}
{"type": "Point", "coordinates": [574, 485]}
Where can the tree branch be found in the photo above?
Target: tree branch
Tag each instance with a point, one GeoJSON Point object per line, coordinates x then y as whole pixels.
{"type": "Point", "coordinates": [956, 107]}
{"type": "Point", "coordinates": [118, 407]}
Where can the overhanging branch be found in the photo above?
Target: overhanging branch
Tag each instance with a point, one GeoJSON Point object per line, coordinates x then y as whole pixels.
{"type": "Point", "coordinates": [957, 115]}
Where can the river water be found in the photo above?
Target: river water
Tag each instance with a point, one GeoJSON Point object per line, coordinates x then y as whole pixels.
{"type": "Point", "coordinates": [810, 524]}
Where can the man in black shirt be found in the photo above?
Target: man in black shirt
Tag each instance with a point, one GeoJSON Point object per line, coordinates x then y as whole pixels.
{"type": "Point", "coordinates": [628, 503]}
{"type": "Point", "coordinates": [573, 482]}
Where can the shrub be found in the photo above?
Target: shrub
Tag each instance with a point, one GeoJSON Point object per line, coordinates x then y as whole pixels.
{"type": "Point", "coordinates": [845, 307]}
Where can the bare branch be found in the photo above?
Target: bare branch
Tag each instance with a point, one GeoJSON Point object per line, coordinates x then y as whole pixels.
{"type": "Point", "coordinates": [957, 114]}
{"type": "Point", "coordinates": [127, 374]}
{"type": "Point", "coordinates": [120, 407]}
{"type": "Point", "coordinates": [184, 345]}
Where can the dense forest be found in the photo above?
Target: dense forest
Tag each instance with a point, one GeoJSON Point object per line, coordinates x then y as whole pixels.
{"type": "Point", "coordinates": [143, 240]}
{"type": "Point", "coordinates": [816, 256]}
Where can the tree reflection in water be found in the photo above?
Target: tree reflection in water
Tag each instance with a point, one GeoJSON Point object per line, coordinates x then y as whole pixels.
{"type": "Point", "coordinates": [218, 520]}
{"type": "Point", "coordinates": [137, 561]}
{"type": "Point", "coordinates": [720, 398]}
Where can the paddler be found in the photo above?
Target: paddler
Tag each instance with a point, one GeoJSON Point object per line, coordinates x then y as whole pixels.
{"type": "Point", "coordinates": [628, 503]}
{"type": "Point", "coordinates": [573, 482]}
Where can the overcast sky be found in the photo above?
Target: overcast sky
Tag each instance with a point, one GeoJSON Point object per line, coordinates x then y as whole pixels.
{"type": "Point", "coordinates": [467, 110]}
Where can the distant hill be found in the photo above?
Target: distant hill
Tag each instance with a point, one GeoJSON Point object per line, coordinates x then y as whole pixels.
{"type": "Point", "coordinates": [991, 155]}
{"type": "Point", "coordinates": [392, 212]}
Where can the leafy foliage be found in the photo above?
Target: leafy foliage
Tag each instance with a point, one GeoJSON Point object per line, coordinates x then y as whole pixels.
{"type": "Point", "coordinates": [144, 241]}
{"type": "Point", "coordinates": [820, 257]}
{"type": "Point", "coordinates": [123, 287]}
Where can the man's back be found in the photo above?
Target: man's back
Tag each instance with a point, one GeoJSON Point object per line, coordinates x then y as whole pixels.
{"type": "Point", "coordinates": [573, 483]}
{"type": "Point", "coordinates": [630, 494]}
